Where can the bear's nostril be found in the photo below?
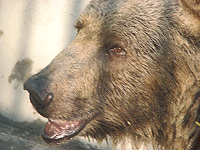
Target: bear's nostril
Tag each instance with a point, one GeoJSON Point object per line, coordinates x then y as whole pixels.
{"type": "Point", "coordinates": [38, 89]}
{"type": "Point", "coordinates": [40, 102]}
{"type": "Point", "coordinates": [34, 96]}
{"type": "Point", "coordinates": [48, 99]}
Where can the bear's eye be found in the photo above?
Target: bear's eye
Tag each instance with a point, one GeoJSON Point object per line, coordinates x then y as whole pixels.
{"type": "Point", "coordinates": [118, 52]}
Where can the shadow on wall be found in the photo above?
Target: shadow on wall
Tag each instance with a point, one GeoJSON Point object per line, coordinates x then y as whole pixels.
{"type": "Point", "coordinates": [31, 34]}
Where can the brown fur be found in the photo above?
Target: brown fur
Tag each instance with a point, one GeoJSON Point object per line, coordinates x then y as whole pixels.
{"type": "Point", "coordinates": [136, 64]}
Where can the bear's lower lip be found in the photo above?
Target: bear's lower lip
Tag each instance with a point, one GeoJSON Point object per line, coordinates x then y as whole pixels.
{"type": "Point", "coordinates": [57, 130]}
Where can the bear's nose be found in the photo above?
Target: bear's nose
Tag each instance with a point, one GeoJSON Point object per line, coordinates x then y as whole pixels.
{"type": "Point", "coordinates": [37, 88]}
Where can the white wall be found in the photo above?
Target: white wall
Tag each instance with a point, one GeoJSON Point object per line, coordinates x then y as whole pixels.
{"type": "Point", "coordinates": [35, 29]}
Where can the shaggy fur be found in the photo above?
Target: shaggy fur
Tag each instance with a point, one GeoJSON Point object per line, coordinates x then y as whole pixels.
{"type": "Point", "coordinates": [135, 67]}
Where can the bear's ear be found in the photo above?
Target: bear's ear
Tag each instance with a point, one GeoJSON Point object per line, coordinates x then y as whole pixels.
{"type": "Point", "coordinates": [192, 6]}
{"type": "Point", "coordinates": [190, 17]}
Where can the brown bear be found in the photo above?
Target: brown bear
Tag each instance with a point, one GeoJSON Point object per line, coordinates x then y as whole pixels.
{"type": "Point", "coordinates": [131, 73]}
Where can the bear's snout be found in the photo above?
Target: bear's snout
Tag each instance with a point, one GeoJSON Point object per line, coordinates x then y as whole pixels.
{"type": "Point", "coordinates": [38, 89]}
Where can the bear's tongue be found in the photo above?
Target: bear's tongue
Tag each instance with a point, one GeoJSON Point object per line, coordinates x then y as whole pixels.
{"type": "Point", "coordinates": [57, 129]}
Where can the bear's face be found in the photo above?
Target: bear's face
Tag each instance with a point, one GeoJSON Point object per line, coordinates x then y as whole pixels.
{"type": "Point", "coordinates": [109, 78]}
{"type": "Point", "coordinates": [120, 76]}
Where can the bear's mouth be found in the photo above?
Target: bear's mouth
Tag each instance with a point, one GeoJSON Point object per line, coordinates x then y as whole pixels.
{"type": "Point", "coordinates": [57, 130]}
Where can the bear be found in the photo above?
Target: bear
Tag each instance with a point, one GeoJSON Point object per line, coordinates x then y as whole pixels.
{"type": "Point", "coordinates": [132, 73]}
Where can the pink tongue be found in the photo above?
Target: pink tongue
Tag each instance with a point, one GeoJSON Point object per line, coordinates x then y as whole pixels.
{"type": "Point", "coordinates": [57, 129]}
